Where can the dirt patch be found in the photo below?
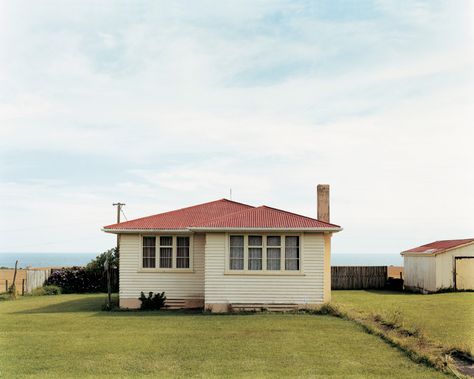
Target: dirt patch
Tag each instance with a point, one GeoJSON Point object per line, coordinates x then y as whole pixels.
{"type": "Point", "coordinates": [463, 363]}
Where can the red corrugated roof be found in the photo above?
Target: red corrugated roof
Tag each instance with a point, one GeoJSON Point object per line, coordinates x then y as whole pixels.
{"type": "Point", "coordinates": [265, 217]}
{"type": "Point", "coordinates": [439, 246]}
{"type": "Point", "coordinates": [222, 214]}
{"type": "Point", "coordinates": [184, 217]}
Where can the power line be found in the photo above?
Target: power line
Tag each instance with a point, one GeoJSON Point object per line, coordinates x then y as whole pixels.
{"type": "Point", "coordinates": [123, 213]}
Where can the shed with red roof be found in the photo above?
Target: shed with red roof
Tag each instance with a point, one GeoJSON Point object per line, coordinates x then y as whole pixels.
{"type": "Point", "coordinates": [440, 265]}
{"type": "Point", "coordinates": [225, 255]}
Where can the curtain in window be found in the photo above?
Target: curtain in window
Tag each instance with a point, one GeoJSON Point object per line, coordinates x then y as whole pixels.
{"type": "Point", "coordinates": [166, 252]}
{"type": "Point", "coordinates": [273, 252]}
{"type": "Point", "coordinates": [236, 252]}
{"type": "Point", "coordinates": [292, 253]}
{"type": "Point", "coordinates": [182, 252]}
{"type": "Point", "coordinates": [255, 252]}
{"type": "Point", "coordinates": [149, 252]}
{"type": "Point", "coordinates": [273, 258]}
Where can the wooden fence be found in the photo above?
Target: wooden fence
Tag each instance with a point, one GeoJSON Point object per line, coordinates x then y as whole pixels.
{"type": "Point", "coordinates": [26, 280]}
{"type": "Point", "coordinates": [358, 277]}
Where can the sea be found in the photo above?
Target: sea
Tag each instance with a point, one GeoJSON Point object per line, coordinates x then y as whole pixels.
{"type": "Point", "coordinates": [81, 259]}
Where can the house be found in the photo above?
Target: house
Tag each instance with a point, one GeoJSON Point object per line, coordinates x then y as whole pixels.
{"type": "Point", "coordinates": [439, 266]}
{"type": "Point", "coordinates": [225, 255]}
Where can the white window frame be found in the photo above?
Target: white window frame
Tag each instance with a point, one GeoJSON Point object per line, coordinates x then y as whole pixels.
{"type": "Point", "coordinates": [173, 255]}
{"type": "Point", "coordinates": [264, 271]}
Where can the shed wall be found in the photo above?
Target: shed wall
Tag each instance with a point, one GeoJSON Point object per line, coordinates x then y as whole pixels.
{"type": "Point", "coordinates": [420, 273]}
{"type": "Point", "coordinates": [445, 265]}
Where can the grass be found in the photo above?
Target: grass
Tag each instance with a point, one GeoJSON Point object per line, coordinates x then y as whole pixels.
{"type": "Point", "coordinates": [68, 336]}
{"type": "Point", "coordinates": [445, 318]}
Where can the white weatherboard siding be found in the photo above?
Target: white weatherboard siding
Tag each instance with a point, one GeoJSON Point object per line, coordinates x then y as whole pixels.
{"type": "Point", "coordinates": [185, 285]}
{"type": "Point", "coordinates": [222, 288]}
{"type": "Point", "coordinates": [445, 265]}
{"type": "Point", "coordinates": [420, 273]}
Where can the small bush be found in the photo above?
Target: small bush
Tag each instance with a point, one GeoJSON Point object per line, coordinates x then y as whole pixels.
{"type": "Point", "coordinates": [152, 302]}
{"type": "Point", "coordinates": [47, 290]}
{"type": "Point", "coordinates": [5, 296]}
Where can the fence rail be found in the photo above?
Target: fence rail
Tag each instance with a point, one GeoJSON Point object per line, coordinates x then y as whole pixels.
{"type": "Point", "coordinates": [358, 277]}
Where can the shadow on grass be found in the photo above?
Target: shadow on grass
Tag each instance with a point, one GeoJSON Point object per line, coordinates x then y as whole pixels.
{"type": "Point", "coordinates": [86, 304]}
{"type": "Point", "coordinates": [96, 305]}
{"type": "Point", "coordinates": [389, 292]}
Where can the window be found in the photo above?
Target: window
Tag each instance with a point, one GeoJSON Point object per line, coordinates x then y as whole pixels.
{"type": "Point", "coordinates": [292, 253]}
{"type": "Point", "coordinates": [182, 252]}
{"type": "Point", "coordinates": [265, 254]}
{"type": "Point", "coordinates": [273, 253]}
{"type": "Point", "coordinates": [149, 252]}
{"type": "Point", "coordinates": [166, 252]}
{"type": "Point", "coordinates": [236, 252]}
{"type": "Point", "coordinates": [255, 252]}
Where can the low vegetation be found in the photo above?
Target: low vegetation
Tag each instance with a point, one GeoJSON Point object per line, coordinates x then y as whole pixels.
{"type": "Point", "coordinates": [436, 329]}
{"type": "Point", "coordinates": [68, 336]}
{"type": "Point", "coordinates": [88, 279]}
{"type": "Point", "coordinates": [152, 302]}
{"type": "Point", "coordinates": [47, 290]}
{"type": "Point", "coordinates": [445, 318]}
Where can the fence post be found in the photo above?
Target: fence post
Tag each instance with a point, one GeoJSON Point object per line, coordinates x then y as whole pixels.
{"type": "Point", "coordinates": [6, 285]}
{"type": "Point", "coordinates": [22, 287]}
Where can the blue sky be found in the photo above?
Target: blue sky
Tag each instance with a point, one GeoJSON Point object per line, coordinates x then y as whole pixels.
{"type": "Point", "coordinates": [166, 104]}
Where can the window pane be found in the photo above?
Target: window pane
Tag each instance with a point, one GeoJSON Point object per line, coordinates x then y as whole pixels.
{"type": "Point", "coordinates": [182, 241]}
{"type": "Point", "coordinates": [236, 253]}
{"type": "Point", "coordinates": [273, 253]}
{"type": "Point", "coordinates": [255, 258]}
{"type": "Point", "coordinates": [166, 241]}
{"type": "Point", "coordinates": [166, 260]}
{"type": "Point", "coordinates": [273, 258]}
{"type": "Point", "coordinates": [292, 264]}
{"type": "Point", "coordinates": [255, 240]}
{"type": "Point", "coordinates": [236, 264]}
{"type": "Point", "coordinates": [237, 241]}
{"type": "Point", "coordinates": [293, 241]}
{"type": "Point", "coordinates": [149, 241]}
{"type": "Point", "coordinates": [273, 241]}
{"type": "Point", "coordinates": [182, 252]}
{"type": "Point", "coordinates": [182, 262]}
{"type": "Point", "coordinates": [149, 252]}
{"type": "Point", "coordinates": [292, 253]}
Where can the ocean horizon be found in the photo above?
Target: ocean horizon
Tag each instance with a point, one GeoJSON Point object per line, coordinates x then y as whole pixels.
{"type": "Point", "coordinates": [47, 259]}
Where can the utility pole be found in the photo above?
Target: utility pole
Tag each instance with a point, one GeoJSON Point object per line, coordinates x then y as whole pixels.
{"type": "Point", "coordinates": [107, 265]}
{"type": "Point", "coordinates": [119, 211]}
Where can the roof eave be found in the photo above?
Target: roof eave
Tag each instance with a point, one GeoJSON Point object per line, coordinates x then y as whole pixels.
{"type": "Point", "coordinates": [219, 229]}
{"type": "Point", "coordinates": [417, 254]}
{"type": "Point", "coordinates": [142, 230]}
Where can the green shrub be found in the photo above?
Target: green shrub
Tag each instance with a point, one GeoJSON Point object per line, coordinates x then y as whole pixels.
{"type": "Point", "coordinates": [152, 302]}
{"type": "Point", "coordinates": [47, 290]}
{"type": "Point", "coordinates": [5, 296]}
{"type": "Point", "coordinates": [97, 264]}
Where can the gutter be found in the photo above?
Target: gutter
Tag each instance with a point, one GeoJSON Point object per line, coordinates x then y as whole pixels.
{"type": "Point", "coordinates": [198, 229]}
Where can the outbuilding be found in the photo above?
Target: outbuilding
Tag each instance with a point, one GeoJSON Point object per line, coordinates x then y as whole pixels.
{"type": "Point", "coordinates": [440, 265]}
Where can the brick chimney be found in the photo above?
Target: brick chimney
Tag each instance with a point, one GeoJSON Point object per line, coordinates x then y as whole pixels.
{"type": "Point", "coordinates": [323, 202]}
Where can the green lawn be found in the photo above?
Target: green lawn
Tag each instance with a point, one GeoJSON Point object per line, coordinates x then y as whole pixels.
{"type": "Point", "coordinates": [447, 318]}
{"type": "Point", "coordinates": [68, 336]}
